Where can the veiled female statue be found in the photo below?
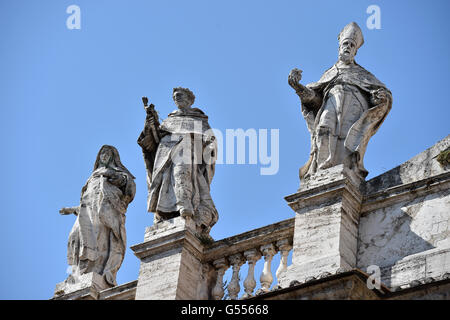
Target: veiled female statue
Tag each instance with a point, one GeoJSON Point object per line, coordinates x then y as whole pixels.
{"type": "Point", "coordinates": [97, 241]}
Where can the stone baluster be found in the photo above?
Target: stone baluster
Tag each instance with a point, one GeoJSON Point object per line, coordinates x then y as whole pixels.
{"type": "Point", "coordinates": [284, 247]}
{"type": "Point", "coordinates": [266, 278]}
{"type": "Point", "coordinates": [221, 266]}
{"type": "Point", "coordinates": [233, 287]}
{"type": "Point", "coordinates": [252, 257]}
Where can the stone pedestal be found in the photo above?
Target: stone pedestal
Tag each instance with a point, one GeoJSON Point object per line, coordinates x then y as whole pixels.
{"type": "Point", "coordinates": [171, 265]}
{"type": "Point", "coordinates": [81, 287]}
{"type": "Point", "coordinates": [327, 210]}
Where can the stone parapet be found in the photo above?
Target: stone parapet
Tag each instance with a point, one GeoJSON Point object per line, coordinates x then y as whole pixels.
{"type": "Point", "coordinates": [171, 265]}
{"type": "Point", "coordinates": [326, 225]}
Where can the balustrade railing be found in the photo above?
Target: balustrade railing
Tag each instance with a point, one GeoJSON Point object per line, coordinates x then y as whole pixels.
{"type": "Point", "coordinates": [248, 248]}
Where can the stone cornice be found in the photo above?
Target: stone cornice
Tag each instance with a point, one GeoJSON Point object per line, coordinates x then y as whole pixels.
{"type": "Point", "coordinates": [406, 191]}
{"type": "Point", "coordinates": [321, 194]}
{"type": "Point", "coordinates": [126, 291]}
{"type": "Point", "coordinates": [180, 239]}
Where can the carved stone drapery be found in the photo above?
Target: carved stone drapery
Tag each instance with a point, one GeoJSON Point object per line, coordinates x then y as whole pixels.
{"type": "Point", "coordinates": [97, 241]}
{"type": "Point", "coordinates": [343, 110]}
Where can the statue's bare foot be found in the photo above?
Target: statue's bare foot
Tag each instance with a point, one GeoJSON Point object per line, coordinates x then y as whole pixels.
{"type": "Point", "coordinates": [186, 213]}
{"type": "Point", "coordinates": [327, 164]}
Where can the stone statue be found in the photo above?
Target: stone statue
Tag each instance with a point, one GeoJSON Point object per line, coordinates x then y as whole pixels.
{"type": "Point", "coordinates": [180, 156]}
{"type": "Point", "coordinates": [97, 241]}
{"type": "Point", "coordinates": [343, 110]}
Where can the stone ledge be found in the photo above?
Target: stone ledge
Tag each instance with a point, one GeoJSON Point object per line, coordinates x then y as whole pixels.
{"type": "Point", "coordinates": [422, 290]}
{"type": "Point", "coordinates": [165, 243]}
{"type": "Point", "coordinates": [126, 291]}
{"type": "Point", "coordinates": [324, 288]}
{"type": "Point", "coordinates": [319, 194]}
{"type": "Point", "coordinates": [417, 266]}
{"type": "Point", "coordinates": [82, 294]}
{"type": "Point", "coordinates": [168, 227]}
{"type": "Point", "coordinates": [80, 287]}
{"type": "Point", "coordinates": [330, 175]}
{"type": "Point", "coordinates": [320, 284]}
{"type": "Point", "coordinates": [406, 191]}
{"type": "Point", "coordinates": [420, 167]}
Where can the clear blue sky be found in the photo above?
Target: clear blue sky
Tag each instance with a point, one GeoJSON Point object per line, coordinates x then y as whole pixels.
{"type": "Point", "coordinates": [64, 93]}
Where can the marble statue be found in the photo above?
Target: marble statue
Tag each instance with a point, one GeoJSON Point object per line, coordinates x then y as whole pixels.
{"type": "Point", "coordinates": [97, 241]}
{"type": "Point", "coordinates": [180, 156]}
{"type": "Point", "coordinates": [343, 110]}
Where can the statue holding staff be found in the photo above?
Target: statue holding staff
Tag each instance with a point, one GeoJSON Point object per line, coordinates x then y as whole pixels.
{"type": "Point", "coordinates": [180, 156]}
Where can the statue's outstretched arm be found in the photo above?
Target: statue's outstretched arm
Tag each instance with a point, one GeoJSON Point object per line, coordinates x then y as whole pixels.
{"type": "Point", "coordinates": [307, 95]}
{"type": "Point", "coordinates": [70, 210]}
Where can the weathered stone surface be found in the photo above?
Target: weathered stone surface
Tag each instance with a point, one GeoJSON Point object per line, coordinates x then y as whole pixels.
{"type": "Point", "coordinates": [398, 221]}
{"type": "Point", "coordinates": [348, 286]}
{"type": "Point", "coordinates": [97, 242]}
{"type": "Point", "coordinates": [343, 110]}
{"type": "Point", "coordinates": [405, 220]}
{"type": "Point", "coordinates": [393, 232]}
{"type": "Point", "coordinates": [326, 227]}
{"type": "Point", "coordinates": [180, 156]}
{"type": "Point", "coordinates": [433, 291]}
{"type": "Point", "coordinates": [82, 287]}
{"type": "Point", "coordinates": [126, 291]}
{"type": "Point", "coordinates": [327, 177]}
{"type": "Point", "coordinates": [422, 166]}
{"type": "Point", "coordinates": [171, 266]}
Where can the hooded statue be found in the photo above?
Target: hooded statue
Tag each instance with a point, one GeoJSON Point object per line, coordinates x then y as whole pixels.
{"type": "Point", "coordinates": [343, 110]}
{"type": "Point", "coordinates": [97, 241]}
{"type": "Point", "coordinates": [180, 156]}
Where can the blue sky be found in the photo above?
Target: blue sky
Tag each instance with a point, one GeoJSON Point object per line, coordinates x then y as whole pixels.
{"type": "Point", "coordinates": [65, 93]}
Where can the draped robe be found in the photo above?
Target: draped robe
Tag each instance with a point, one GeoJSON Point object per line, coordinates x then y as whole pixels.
{"type": "Point", "coordinates": [346, 92]}
{"type": "Point", "coordinates": [97, 241]}
{"type": "Point", "coordinates": [180, 175]}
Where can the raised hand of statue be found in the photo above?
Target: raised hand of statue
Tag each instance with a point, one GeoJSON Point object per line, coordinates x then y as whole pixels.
{"type": "Point", "coordinates": [305, 94]}
{"type": "Point", "coordinates": [150, 117]}
{"type": "Point", "coordinates": [378, 97]}
{"type": "Point", "coordinates": [69, 210]}
{"type": "Point", "coordinates": [148, 110]}
{"type": "Point", "coordinates": [294, 79]}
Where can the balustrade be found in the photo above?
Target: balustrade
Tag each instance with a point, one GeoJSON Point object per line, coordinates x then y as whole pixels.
{"type": "Point", "coordinates": [249, 248]}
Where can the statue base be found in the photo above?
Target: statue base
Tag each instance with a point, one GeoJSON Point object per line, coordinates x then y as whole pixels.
{"type": "Point", "coordinates": [330, 175]}
{"type": "Point", "coordinates": [81, 287]}
{"type": "Point", "coordinates": [171, 261]}
{"type": "Point", "coordinates": [327, 211]}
